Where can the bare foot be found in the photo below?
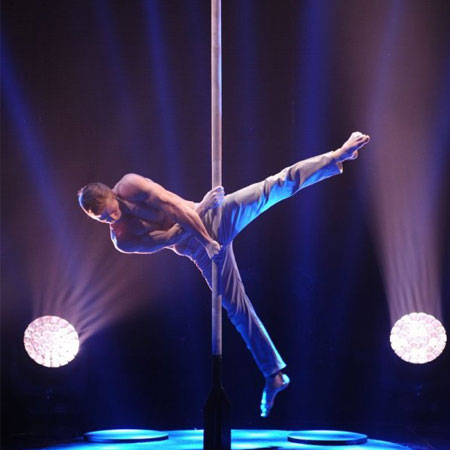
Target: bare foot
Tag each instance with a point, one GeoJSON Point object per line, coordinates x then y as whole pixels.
{"type": "Point", "coordinates": [274, 384]}
{"type": "Point", "coordinates": [350, 149]}
{"type": "Point", "coordinates": [211, 200]}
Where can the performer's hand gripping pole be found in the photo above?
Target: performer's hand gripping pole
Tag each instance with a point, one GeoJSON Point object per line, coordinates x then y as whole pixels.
{"type": "Point", "coordinates": [217, 424]}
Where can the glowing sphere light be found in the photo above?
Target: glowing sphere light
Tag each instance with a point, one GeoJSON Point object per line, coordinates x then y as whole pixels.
{"type": "Point", "coordinates": [418, 338]}
{"type": "Point", "coordinates": [51, 341]}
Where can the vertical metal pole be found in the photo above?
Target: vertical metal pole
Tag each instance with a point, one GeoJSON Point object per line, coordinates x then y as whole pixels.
{"type": "Point", "coordinates": [216, 159]}
{"type": "Point", "coordinates": [217, 433]}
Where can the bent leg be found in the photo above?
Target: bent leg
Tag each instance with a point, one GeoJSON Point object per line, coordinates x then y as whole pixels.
{"type": "Point", "coordinates": [237, 305]}
{"type": "Point", "coordinates": [244, 205]}
{"type": "Point", "coordinates": [243, 316]}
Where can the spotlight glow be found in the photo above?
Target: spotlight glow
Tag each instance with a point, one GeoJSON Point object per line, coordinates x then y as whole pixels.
{"type": "Point", "coordinates": [51, 341]}
{"type": "Point", "coordinates": [418, 338]}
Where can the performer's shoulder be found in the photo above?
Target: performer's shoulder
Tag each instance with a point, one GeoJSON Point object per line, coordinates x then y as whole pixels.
{"type": "Point", "coordinates": [133, 178]}
{"type": "Point", "coordinates": [131, 184]}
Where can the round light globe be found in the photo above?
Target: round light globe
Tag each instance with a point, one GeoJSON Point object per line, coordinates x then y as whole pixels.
{"type": "Point", "coordinates": [418, 338]}
{"type": "Point", "coordinates": [51, 341]}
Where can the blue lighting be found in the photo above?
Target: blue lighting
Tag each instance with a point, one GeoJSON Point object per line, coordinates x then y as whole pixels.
{"type": "Point", "coordinates": [131, 141]}
{"type": "Point", "coordinates": [241, 439]}
{"type": "Point", "coordinates": [163, 93]}
{"type": "Point", "coordinates": [31, 144]}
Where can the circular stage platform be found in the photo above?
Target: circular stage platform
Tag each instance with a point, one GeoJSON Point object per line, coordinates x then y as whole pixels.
{"type": "Point", "coordinates": [124, 436]}
{"type": "Point", "coordinates": [241, 440]}
{"type": "Point", "coordinates": [327, 437]}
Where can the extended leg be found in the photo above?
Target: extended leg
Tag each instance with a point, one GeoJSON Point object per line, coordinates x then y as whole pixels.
{"type": "Point", "coordinates": [244, 205]}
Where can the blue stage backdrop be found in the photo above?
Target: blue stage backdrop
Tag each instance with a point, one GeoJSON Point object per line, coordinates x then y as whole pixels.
{"type": "Point", "coordinates": [94, 89]}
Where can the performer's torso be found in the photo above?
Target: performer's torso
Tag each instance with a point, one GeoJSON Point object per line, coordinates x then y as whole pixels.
{"type": "Point", "coordinates": [139, 218]}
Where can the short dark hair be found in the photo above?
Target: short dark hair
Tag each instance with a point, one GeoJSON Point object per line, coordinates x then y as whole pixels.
{"type": "Point", "coordinates": [93, 196]}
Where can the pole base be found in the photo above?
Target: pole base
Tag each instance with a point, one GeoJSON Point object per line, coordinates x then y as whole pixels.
{"type": "Point", "coordinates": [216, 413]}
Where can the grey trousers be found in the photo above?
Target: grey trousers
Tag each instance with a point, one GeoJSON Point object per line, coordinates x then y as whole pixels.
{"type": "Point", "coordinates": [238, 210]}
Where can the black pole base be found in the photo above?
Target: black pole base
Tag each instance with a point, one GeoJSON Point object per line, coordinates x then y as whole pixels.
{"type": "Point", "coordinates": [216, 413]}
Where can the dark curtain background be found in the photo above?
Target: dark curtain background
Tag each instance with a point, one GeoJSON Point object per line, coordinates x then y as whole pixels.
{"type": "Point", "coordinates": [92, 90]}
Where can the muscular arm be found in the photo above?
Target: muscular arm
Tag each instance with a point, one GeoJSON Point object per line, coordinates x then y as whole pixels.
{"type": "Point", "coordinates": [180, 212]}
{"type": "Point", "coordinates": [150, 242]}
{"type": "Point", "coordinates": [184, 215]}
{"type": "Point", "coordinates": [139, 189]}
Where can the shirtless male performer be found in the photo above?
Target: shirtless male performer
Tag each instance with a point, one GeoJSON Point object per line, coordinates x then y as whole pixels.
{"type": "Point", "coordinates": [144, 218]}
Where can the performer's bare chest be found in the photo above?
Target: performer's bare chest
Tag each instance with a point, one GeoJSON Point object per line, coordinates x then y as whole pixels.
{"type": "Point", "coordinates": [134, 226]}
{"type": "Point", "coordinates": [141, 220]}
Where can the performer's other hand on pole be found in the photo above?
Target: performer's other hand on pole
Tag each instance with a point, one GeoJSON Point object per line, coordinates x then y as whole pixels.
{"type": "Point", "coordinates": [213, 249]}
{"type": "Point", "coordinates": [211, 200]}
{"type": "Point", "coordinates": [350, 149]}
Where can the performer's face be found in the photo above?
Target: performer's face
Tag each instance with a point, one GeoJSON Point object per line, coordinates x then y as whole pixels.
{"type": "Point", "coordinates": [110, 213]}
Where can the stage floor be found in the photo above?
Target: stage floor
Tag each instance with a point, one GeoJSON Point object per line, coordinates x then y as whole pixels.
{"type": "Point", "coordinates": [241, 439]}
